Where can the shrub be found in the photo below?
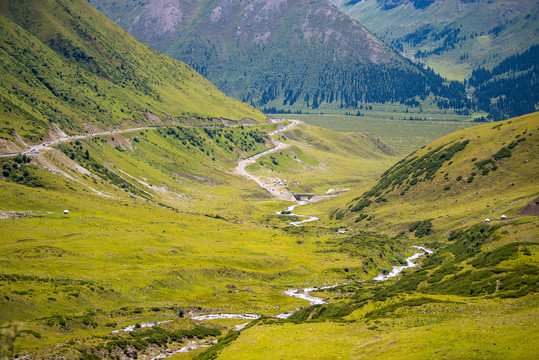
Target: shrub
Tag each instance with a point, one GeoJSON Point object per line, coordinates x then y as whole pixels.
{"type": "Point", "coordinates": [500, 254]}
{"type": "Point", "coordinates": [421, 228]}
{"type": "Point", "coordinates": [503, 153]}
{"type": "Point", "coordinates": [361, 204]}
{"type": "Point", "coordinates": [361, 217]}
{"type": "Point", "coordinates": [468, 243]}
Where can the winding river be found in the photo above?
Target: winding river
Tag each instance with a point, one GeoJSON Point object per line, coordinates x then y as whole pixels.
{"type": "Point", "coordinates": [304, 293]}
{"type": "Point", "coordinates": [301, 293]}
{"type": "Point", "coordinates": [289, 212]}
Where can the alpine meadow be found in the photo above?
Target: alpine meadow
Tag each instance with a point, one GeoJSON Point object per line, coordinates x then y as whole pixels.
{"type": "Point", "coordinates": [281, 179]}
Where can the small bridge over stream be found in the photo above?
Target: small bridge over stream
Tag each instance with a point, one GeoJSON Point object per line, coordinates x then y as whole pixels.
{"type": "Point", "coordinates": [303, 196]}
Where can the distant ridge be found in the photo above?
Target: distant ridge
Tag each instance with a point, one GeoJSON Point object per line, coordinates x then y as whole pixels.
{"type": "Point", "coordinates": [452, 37]}
{"type": "Point", "coordinates": [279, 53]}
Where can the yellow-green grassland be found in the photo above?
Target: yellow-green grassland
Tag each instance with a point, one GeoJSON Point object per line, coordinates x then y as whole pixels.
{"type": "Point", "coordinates": [124, 217]}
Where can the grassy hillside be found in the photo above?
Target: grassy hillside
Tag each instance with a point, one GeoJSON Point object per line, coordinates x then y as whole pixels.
{"type": "Point", "coordinates": [462, 178]}
{"type": "Point", "coordinates": [65, 63]}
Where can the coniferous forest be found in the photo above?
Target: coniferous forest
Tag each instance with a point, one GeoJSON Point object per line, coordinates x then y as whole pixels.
{"type": "Point", "coordinates": [511, 88]}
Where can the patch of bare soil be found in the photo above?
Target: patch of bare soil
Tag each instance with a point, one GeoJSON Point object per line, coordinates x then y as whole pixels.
{"type": "Point", "coordinates": [54, 133]}
{"type": "Point", "coordinates": [8, 147]}
{"type": "Point", "coordinates": [48, 164]}
{"type": "Point", "coordinates": [19, 139]}
{"type": "Point", "coordinates": [532, 209]}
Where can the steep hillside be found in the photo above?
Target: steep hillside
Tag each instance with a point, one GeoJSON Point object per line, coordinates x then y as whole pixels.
{"type": "Point", "coordinates": [64, 64]}
{"type": "Point", "coordinates": [285, 54]}
{"type": "Point", "coordinates": [463, 178]}
{"type": "Point", "coordinates": [452, 37]}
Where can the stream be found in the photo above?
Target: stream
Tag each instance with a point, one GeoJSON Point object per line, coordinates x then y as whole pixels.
{"type": "Point", "coordinates": [304, 293]}
{"type": "Point", "coordinates": [301, 293]}
{"type": "Point", "coordinates": [288, 212]}
{"type": "Point", "coordinates": [396, 270]}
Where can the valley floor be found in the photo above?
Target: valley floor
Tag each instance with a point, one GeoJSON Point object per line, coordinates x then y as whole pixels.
{"type": "Point", "coordinates": [124, 276]}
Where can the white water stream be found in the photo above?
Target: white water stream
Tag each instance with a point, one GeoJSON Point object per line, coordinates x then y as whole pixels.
{"type": "Point", "coordinates": [189, 347]}
{"type": "Point", "coordinates": [141, 325]}
{"type": "Point", "coordinates": [297, 293]}
{"type": "Point", "coordinates": [305, 292]}
{"type": "Point", "coordinates": [396, 270]}
{"type": "Point", "coordinates": [226, 316]}
{"type": "Point", "coordinates": [313, 300]}
{"type": "Point", "coordinates": [288, 212]}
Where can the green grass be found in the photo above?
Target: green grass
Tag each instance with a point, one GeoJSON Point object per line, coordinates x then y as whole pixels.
{"type": "Point", "coordinates": [439, 332]}
{"type": "Point", "coordinates": [443, 309]}
{"type": "Point", "coordinates": [145, 209]}
{"type": "Point", "coordinates": [404, 135]}
{"type": "Point", "coordinates": [128, 258]}
{"type": "Point", "coordinates": [421, 192]}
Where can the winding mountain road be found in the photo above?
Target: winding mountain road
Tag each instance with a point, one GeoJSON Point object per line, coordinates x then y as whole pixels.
{"type": "Point", "coordinates": [285, 195]}
{"type": "Point", "coordinates": [35, 149]}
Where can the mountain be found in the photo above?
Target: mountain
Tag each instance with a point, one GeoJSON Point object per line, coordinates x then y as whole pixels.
{"type": "Point", "coordinates": [293, 54]}
{"type": "Point", "coordinates": [74, 70]}
{"type": "Point", "coordinates": [510, 88]}
{"type": "Point", "coordinates": [463, 178]}
{"type": "Point", "coordinates": [453, 37]}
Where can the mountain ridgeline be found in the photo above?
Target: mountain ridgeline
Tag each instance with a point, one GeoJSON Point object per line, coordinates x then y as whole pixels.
{"type": "Point", "coordinates": [79, 70]}
{"type": "Point", "coordinates": [490, 45]}
{"type": "Point", "coordinates": [453, 37]}
{"type": "Point", "coordinates": [281, 53]}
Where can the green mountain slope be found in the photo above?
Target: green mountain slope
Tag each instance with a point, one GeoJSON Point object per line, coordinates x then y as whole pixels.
{"type": "Point", "coordinates": [463, 178]}
{"type": "Point", "coordinates": [284, 54]}
{"type": "Point", "coordinates": [452, 37]}
{"type": "Point", "coordinates": [65, 63]}
{"type": "Point", "coordinates": [509, 88]}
